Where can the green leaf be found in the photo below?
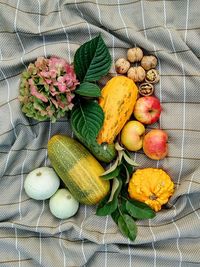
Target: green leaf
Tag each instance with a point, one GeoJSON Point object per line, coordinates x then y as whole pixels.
{"type": "Point", "coordinates": [102, 209]}
{"type": "Point", "coordinates": [139, 210]}
{"type": "Point", "coordinates": [118, 147]}
{"type": "Point", "coordinates": [120, 155]}
{"type": "Point", "coordinates": [112, 168]}
{"type": "Point", "coordinates": [127, 226]}
{"type": "Point", "coordinates": [129, 160]}
{"type": "Point", "coordinates": [123, 205]}
{"type": "Point", "coordinates": [127, 172]}
{"type": "Point", "coordinates": [112, 174]}
{"type": "Point", "coordinates": [116, 187]}
{"type": "Point", "coordinates": [115, 215]}
{"type": "Point", "coordinates": [87, 119]}
{"type": "Point", "coordinates": [88, 89]}
{"type": "Point", "coordinates": [110, 205]}
{"type": "Point", "coordinates": [92, 60]}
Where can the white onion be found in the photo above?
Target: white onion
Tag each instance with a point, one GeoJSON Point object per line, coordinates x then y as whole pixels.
{"type": "Point", "coordinates": [41, 183]}
{"type": "Point", "coordinates": [63, 205]}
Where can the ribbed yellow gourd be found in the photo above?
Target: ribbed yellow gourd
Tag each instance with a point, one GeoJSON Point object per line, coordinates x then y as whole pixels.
{"type": "Point", "coordinates": [117, 100]}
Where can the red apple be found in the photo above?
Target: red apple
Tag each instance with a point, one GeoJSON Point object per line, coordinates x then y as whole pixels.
{"type": "Point", "coordinates": [132, 135]}
{"type": "Point", "coordinates": [147, 109]}
{"type": "Point", "coordinates": [155, 144]}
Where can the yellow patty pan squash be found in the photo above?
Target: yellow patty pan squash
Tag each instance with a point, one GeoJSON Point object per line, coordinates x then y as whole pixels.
{"type": "Point", "coordinates": [152, 186]}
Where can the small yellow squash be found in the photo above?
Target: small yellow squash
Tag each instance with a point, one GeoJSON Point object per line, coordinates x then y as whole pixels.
{"type": "Point", "coordinates": [151, 186]}
{"type": "Point", "coordinates": [117, 100]}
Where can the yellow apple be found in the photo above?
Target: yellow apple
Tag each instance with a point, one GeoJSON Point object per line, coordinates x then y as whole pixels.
{"type": "Point", "coordinates": [132, 135]}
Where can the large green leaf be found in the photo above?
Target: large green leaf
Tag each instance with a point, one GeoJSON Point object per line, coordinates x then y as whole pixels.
{"type": "Point", "coordinates": [87, 119]}
{"type": "Point", "coordinates": [88, 89]}
{"type": "Point", "coordinates": [92, 60]}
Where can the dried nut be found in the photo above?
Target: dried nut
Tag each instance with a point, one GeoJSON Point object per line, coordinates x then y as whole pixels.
{"type": "Point", "coordinates": [137, 74]}
{"type": "Point", "coordinates": [149, 62]}
{"type": "Point", "coordinates": [146, 89]}
{"type": "Point", "coordinates": [152, 76]}
{"type": "Point", "coordinates": [134, 54]}
{"type": "Point", "coordinates": [122, 65]}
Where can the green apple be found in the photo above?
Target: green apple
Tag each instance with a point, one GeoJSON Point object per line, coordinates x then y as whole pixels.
{"type": "Point", "coordinates": [132, 135]}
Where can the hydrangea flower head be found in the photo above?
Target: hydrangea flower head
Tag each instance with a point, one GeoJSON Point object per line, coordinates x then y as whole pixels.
{"type": "Point", "coordinates": [46, 88]}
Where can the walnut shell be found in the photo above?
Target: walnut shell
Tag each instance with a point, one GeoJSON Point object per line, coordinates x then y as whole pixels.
{"type": "Point", "coordinates": [152, 76]}
{"type": "Point", "coordinates": [134, 54]}
{"type": "Point", "coordinates": [122, 65]}
{"type": "Point", "coordinates": [146, 89]}
{"type": "Point", "coordinates": [137, 74]}
{"type": "Point", "coordinates": [149, 62]}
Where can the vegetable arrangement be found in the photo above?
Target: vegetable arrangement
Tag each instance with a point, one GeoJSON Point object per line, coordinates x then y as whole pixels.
{"type": "Point", "coordinates": [108, 123]}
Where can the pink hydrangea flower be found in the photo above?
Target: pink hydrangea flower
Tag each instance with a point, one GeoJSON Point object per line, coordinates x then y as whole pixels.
{"type": "Point", "coordinates": [46, 88]}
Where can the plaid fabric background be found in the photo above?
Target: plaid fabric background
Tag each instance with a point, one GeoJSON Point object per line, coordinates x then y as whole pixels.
{"type": "Point", "coordinates": [29, 235]}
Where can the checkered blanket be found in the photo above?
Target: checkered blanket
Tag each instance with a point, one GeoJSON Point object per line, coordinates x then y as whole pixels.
{"type": "Point", "coordinates": [29, 235]}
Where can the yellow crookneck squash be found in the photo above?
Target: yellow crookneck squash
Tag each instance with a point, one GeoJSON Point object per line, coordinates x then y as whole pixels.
{"type": "Point", "coordinates": [117, 100]}
{"type": "Point", "coordinates": [151, 186]}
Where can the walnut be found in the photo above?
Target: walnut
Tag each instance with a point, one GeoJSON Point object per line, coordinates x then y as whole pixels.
{"type": "Point", "coordinates": [122, 65]}
{"type": "Point", "coordinates": [149, 62]}
{"type": "Point", "coordinates": [146, 89]}
{"type": "Point", "coordinates": [134, 54]}
{"type": "Point", "coordinates": [152, 76]}
{"type": "Point", "coordinates": [137, 74]}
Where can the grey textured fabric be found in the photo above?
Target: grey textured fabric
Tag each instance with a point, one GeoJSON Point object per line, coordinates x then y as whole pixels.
{"type": "Point", "coordinates": [29, 235]}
